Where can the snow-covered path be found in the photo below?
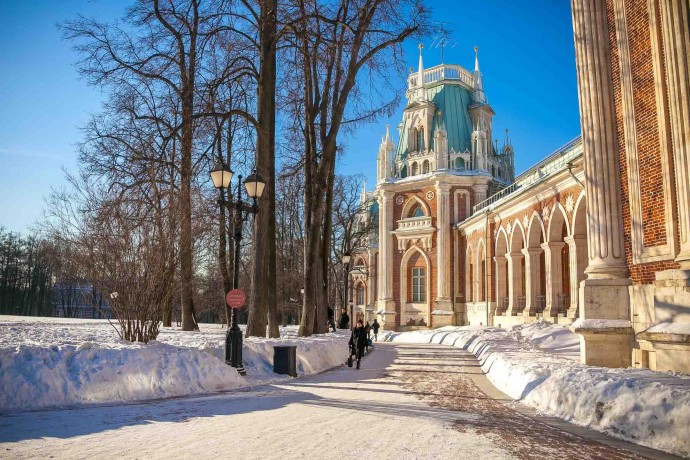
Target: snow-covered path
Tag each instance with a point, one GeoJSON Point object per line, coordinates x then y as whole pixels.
{"type": "Point", "coordinates": [397, 406]}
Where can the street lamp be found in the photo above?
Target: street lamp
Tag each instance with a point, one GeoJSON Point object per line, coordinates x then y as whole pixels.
{"type": "Point", "coordinates": [346, 262]}
{"type": "Point", "coordinates": [221, 175]}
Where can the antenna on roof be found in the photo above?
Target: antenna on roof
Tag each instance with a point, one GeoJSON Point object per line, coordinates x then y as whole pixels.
{"type": "Point", "coordinates": [442, 41]}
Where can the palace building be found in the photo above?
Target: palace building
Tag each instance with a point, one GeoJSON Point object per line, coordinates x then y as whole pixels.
{"type": "Point", "coordinates": [595, 236]}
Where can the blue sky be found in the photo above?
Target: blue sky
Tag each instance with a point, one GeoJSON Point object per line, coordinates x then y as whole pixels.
{"type": "Point", "coordinates": [526, 55]}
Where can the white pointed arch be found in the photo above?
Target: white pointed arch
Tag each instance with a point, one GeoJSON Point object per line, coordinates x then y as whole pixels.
{"type": "Point", "coordinates": [557, 218]}
{"type": "Point", "coordinates": [535, 230]}
{"type": "Point", "coordinates": [501, 242]}
{"type": "Point", "coordinates": [517, 236]}
{"type": "Point", "coordinates": [403, 281]}
{"type": "Point", "coordinates": [410, 204]}
{"type": "Point", "coordinates": [579, 224]}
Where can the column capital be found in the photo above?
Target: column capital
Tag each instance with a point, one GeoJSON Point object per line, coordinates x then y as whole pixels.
{"type": "Point", "coordinates": [515, 256]}
{"type": "Point", "coordinates": [531, 251]}
{"type": "Point", "coordinates": [553, 245]}
{"type": "Point", "coordinates": [480, 187]}
{"type": "Point", "coordinates": [442, 187]}
{"type": "Point", "coordinates": [500, 258]}
{"type": "Point", "coordinates": [575, 239]}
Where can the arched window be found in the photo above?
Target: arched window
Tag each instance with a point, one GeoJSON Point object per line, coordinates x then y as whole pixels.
{"type": "Point", "coordinates": [415, 169]}
{"type": "Point", "coordinates": [403, 172]}
{"type": "Point", "coordinates": [417, 212]}
{"type": "Point", "coordinates": [460, 164]}
{"type": "Point", "coordinates": [360, 295]}
{"type": "Point", "coordinates": [418, 284]}
{"type": "Point", "coordinates": [425, 167]}
{"type": "Point", "coordinates": [420, 139]}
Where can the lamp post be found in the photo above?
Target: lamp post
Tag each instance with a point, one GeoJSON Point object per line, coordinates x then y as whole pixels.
{"type": "Point", "coordinates": [346, 263]}
{"type": "Point", "coordinates": [299, 308]}
{"type": "Point", "coordinates": [221, 175]}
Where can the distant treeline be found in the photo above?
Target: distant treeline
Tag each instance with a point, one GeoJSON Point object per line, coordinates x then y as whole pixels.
{"type": "Point", "coordinates": [26, 275]}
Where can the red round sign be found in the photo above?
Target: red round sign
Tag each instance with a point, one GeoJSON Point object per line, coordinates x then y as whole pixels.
{"type": "Point", "coordinates": [235, 298]}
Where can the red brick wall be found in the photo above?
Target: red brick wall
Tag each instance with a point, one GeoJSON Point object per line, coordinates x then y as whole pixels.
{"type": "Point", "coordinates": [648, 140]}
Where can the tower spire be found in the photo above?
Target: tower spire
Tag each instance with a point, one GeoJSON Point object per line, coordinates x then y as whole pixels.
{"type": "Point", "coordinates": [478, 95]}
{"type": "Point", "coordinates": [420, 69]}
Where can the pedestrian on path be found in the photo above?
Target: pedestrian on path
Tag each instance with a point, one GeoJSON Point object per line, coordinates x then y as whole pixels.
{"type": "Point", "coordinates": [344, 320]}
{"type": "Point", "coordinates": [331, 318]}
{"type": "Point", "coordinates": [375, 327]}
{"type": "Point", "coordinates": [367, 328]}
{"type": "Point", "coordinates": [358, 340]}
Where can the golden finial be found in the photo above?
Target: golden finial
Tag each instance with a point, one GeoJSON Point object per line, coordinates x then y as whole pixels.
{"type": "Point", "coordinates": [421, 45]}
{"type": "Point", "coordinates": [476, 48]}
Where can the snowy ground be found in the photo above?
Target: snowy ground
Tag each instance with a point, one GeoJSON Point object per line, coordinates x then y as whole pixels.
{"type": "Point", "coordinates": [537, 364]}
{"type": "Point", "coordinates": [59, 362]}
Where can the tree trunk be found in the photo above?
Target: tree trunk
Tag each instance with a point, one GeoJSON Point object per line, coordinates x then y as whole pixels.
{"type": "Point", "coordinates": [262, 306]}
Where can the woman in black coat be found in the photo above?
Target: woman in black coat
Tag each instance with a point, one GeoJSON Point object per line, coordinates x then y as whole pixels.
{"type": "Point", "coordinates": [358, 340]}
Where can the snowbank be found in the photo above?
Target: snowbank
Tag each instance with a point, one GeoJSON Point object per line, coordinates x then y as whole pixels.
{"type": "Point", "coordinates": [54, 361]}
{"type": "Point", "coordinates": [534, 364]}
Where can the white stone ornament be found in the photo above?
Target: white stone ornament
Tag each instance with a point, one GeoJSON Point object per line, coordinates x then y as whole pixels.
{"type": "Point", "coordinates": [430, 195]}
{"type": "Point", "coordinates": [525, 221]}
{"type": "Point", "coordinates": [508, 228]}
{"type": "Point", "coordinates": [400, 199]}
{"type": "Point", "coordinates": [545, 213]}
{"type": "Point", "coordinates": [569, 203]}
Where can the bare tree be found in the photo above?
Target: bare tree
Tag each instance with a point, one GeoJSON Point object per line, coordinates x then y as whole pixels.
{"type": "Point", "coordinates": [166, 46]}
{"type": "Point", "coordinates": [334, 47]}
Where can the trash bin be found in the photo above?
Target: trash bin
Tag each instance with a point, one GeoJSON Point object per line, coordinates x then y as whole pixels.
{"type": "Point", "coordinates": [285, 360]}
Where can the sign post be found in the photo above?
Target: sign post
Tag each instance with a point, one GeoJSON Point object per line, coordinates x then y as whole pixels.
{"type": "Point", "coordinates": [235, 299]}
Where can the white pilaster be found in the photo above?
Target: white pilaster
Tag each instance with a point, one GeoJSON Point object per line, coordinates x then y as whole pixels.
{"type": "Point", "coordinates": [675, 20]}
{"type": "Point", "coordinates": [532, 279]}
{"type": "Point", "coordinates": [554, 270]}
{"type": "Point", "coordinates": [514, 281]}
{"type": "Point", "coordinates": [604, 294]}
{"type": "Point", "coordinates": [385, 265]}
{"type": "Point", "coordinates": [443, 249]}
{"type": "Point", "coordinates": [501, 282]}
{"type": "Point", "coordinates": [577, 253]}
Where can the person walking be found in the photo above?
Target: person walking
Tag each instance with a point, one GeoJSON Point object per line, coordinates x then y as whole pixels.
{"type": "Point", "coordinates": [367, 328]}
{"type": "Point", "coordinates": [331, 318]}
{"type": "Point", "coordinates": [358, 340]}
{"type": "Point", "coordinates": [344, 320]}
{"type": "Point", "coordinates": [375, 327]}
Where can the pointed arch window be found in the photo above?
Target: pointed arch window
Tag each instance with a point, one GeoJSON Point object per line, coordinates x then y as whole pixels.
{"type": "Point", "coordinates": [425, 167]}
{"type": "Point", "coordinates": [420, 139]}
{"type": "Point", "coordinates": [460, 164]}
{"type": "Point", "coordinates": [417, 212]}
{"type": "Point", "coordinates": [415, 169]}
{"type": "Point", "coordinates": [360, 295]}
{"type": "Point", "coordinates": [418, 284]}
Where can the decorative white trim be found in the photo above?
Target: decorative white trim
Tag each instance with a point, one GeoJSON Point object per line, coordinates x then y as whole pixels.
{"type": "Point", "coordinates": [640, 252]}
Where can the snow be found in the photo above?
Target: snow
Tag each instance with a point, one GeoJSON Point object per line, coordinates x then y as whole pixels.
{"type": "Point", "coordinates": [343, 413]}
{"type": "Point", "coordinates": [601, 323]}
{"type": "Point", "coordinates": [56, 362]}
{"type": "Point", "coordinates": [536, 365]}
{"type": "Point", "coordinates": [670, 328]}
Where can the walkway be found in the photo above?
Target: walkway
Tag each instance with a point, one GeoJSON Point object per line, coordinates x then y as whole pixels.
{"type": "Point", "coordinates": [407, 402]}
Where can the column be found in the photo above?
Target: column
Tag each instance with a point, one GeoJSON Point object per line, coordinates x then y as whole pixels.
{"type": "Point", "coordinates": [371, 279]}
{"type": "Point", "coordinates": [443, 248]}
{"type": "Point", "coordinates": [385, 265]}
{"type": "Point", "coordinates": [675, 24]}
{"type": "Point", "coordinates": [514, 281]}
{"type": "Point", "coordinates": [532, 271]}
{"type": "Point", "coordinates": [554, 270]}
{"type": "Point", "coordinates": [577, 249]}
{"type": "Point", "coordinates": [604, 294]}
{"type": "Point", "coordinates": [501, 281]}
{"type": "Point", "coordinates": [480, 191]}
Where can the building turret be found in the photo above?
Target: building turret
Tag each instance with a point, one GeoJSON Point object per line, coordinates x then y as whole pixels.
{"type": "Point", "coordinates": [385, 155]}
{"type": "Point", "coordinates": [478, 96]}
{"type": "Point", "coordinates": [441, 143]}
{"type": "Point", "coordinates": [481, 114]}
